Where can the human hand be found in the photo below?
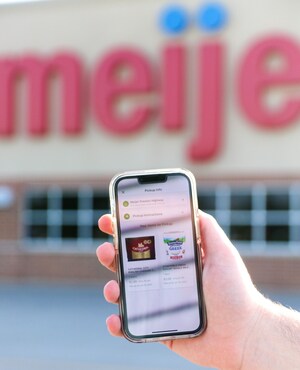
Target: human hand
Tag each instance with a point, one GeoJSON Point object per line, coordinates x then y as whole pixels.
{"type": "Point", "coordinates": [234, 306]}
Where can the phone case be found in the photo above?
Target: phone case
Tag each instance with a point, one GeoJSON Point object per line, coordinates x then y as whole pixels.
{"type": "Point", "coordinates": [112, 194]}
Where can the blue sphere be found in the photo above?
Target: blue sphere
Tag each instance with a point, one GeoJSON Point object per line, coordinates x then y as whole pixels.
{"type": "Point", "coordinates": [212, 17]}
{"type": "Point", "coordinates": [173, 19]}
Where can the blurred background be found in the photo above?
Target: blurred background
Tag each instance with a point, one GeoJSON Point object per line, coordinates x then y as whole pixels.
{"type": "Point", "coordinates": [89, 88]}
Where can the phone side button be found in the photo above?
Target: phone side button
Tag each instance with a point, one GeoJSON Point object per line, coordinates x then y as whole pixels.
{"type": "Point", "coordinates": [114, 228]}
{"type": "Point", "coordinates": [198, 234]}
{"type": "Point", "coordinates": [115, 243]}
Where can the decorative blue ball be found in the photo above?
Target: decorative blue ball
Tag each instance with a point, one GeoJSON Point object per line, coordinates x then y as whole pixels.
{"type": "Point", "coordinates": [173, 19]}
{"type": "Point", "coordinates": [212, 17]}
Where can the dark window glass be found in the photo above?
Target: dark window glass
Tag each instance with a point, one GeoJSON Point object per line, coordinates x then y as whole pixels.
{"type": "Point", "coordinates": [277, 233]}
{"type": "Point", "coordinates": [101, 202]}
{"type": "Point", "coordinates": [240, 232]}
{"type": "Point", "coordinates": [241, 202]}
{"type": "Point", "coordinates": [69, 201]}
{"type": "Point", "coordinates": [69, 231]}
{"type": "Point", "coordinates": [279, 201]}
{"type": "Point", "coordinates": [206, 201]}
{"type": "Point", "coordinates": [97, 234]}
{"type": "Point", "coordinates": [38, 202]}
{"type": "Point", "coordinates": [38, 231]}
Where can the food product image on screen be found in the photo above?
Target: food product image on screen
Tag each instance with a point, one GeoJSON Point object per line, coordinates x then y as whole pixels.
{"type": "Point", "coordinates": [140, 248]}
{"type": "Point", "coordinates": [175, 245]}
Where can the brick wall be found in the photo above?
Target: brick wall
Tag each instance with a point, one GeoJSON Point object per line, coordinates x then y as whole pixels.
{"type": "Point", "coordinates": [10, 218]}
{"type": "Point", "coordinates": [20, 265]}
{"type": "Point", "coordinates": [275, 270]}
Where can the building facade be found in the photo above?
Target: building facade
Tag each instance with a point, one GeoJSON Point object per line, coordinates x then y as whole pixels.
{"type": "Point", "coordinates": [89, 89]}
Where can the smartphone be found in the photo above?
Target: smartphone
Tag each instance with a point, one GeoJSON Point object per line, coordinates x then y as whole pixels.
{"type": "Point", "coordinates": [157, 241]}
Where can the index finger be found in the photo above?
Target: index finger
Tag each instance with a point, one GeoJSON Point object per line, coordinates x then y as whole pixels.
{"type": "Point", "coordinates": [105, 224]}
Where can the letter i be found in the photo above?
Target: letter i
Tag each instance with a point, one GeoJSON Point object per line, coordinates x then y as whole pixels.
{"type": "Point", "coordinates": [173, 20]}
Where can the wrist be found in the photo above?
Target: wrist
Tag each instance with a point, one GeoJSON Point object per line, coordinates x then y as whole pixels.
{"type": "Point", "coordinates": [251, 345]}
{"type": "Point", "coordinates": [274, 340]}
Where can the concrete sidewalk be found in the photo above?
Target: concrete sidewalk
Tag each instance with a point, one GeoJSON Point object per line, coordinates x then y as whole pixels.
{"type": "Point", "coordinates": [33, 364]}
{"type": "Point", "coordinates": [62, 327]}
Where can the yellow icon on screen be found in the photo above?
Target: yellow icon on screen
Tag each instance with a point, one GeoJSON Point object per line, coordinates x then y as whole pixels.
{"type": "Point", "coordinates": [127, 216]}
{"type": "Point", "coordinates": [125, 203]}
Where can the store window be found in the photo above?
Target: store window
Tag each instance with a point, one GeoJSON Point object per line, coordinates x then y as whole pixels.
{"type": "Point", "coordinates": [256, 218]}
{"type": "Point", "coordinates": [62, 215]}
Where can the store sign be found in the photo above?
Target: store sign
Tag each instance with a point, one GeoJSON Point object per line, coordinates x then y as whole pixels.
{"type": "Point", "coordinates": [108, 85]}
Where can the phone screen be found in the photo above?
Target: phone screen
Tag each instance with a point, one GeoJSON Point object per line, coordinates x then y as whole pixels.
{"type": "Point", "coordinates": [157, 248]}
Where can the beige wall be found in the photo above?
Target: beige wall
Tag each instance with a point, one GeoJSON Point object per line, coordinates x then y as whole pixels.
{"type": "Point", "coordinates": [91, 28]}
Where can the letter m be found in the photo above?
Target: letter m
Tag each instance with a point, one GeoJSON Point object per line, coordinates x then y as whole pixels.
{"type": "Point", "coordinates": [37, 71]}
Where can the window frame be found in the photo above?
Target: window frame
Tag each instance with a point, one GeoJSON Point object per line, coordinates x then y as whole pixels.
{"type": "Point", "coordinates": [84, 216]}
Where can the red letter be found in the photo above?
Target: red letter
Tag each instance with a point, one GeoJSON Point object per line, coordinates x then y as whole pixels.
{"type": "Point", "coordinates": [255, 78]}
{"type": "Point", "coordinates": [69, 67]}
{"type": "Point", "coordinates": [108, 87]}
{"type": "Point", "coordinates": [36, 71]}
{"type": "Point", "coordinates": [7, 72]}
{"type": "Point", "coordinates": [208, 139]}
{"type": "Point", "coordinates": [173, 87]}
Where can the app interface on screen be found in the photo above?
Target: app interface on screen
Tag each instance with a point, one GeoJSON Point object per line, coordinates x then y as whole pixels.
{"type": "Point", "coordinates": [158, 256]}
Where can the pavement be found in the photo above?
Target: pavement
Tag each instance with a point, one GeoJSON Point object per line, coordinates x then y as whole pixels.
{"type": "Point", "coordinates": [47, 326]}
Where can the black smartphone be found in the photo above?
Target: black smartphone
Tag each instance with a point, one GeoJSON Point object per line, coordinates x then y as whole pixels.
{"type": "Point", "coordinates": [157, 241]}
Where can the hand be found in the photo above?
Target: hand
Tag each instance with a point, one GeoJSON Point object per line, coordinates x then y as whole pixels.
{"type": "Point", "coordinates": [234, 306]}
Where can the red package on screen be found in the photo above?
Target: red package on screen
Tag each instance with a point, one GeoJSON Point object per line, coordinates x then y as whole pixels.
{"type": "Point", "coordinates": [140, 248]}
